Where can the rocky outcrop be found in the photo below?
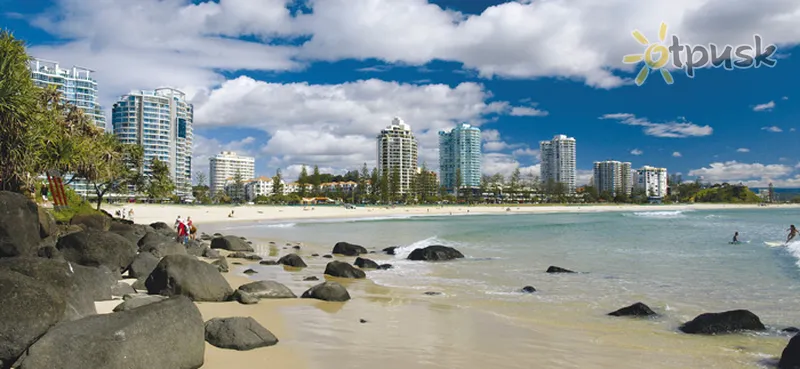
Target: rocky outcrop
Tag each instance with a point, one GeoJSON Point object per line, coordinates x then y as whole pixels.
{"type": "Point", "coordinates": [366, 264]}
{"type": "Point", "coordinates": [95, 248]}
{"type": "Point", "coordinates": [348, 249]}
{"type": "Point", "coordinates": [122, 289]}
{"type": "Point", "coordinates": [790, 358]}
{"type": "Point", "coordinates": [267, 290]}
{"type": "Point", "coordinates": [292, 260]}
{"type": "Point", "coordinates": [725, 322]}
{"type": "Point", "coordinates": [389, 250]}
{"type": "Point", "coordinates": [385, 266]}
{"type": "Point", "coordinates": [327, 291]}
{"type": "Point", "coordinates": [244, 298]}
{"type": "Point", "coordinates": [94, 222]}
{"type": "Point", "coordinates": [132, 232]}
{"type": "Point", "coordinates": [142, 265]}
{"type": "Point", "coordinates": [238, 333]}
{"type": "Point", "coordinates": [528, 289]}
{"type": "Point", "coordinates": [196, 248]}
{"type": "Point", "coordinates": [435, 253]}
{"type": "Point", "coordinates": [638, 309]}
{"type": "Point", "coordinates": [28, 309]}
{"type": "Point", "coordinates": [47, 223]}
{"type": "Point", "coordinates": [162, 335]}
{"type": "Point", "coordinates": [221, 264]}
{"type": "Point", "coordinates": [555, 269]}
{"type": "Point", "coordinates": [343, 270]}
{"type": "Point", "coordinates": [230, 243]}
{"type": "Point", "coordinates": [164, 229]}
{"type": "Point", "coordinates": [19, 225]}
{"type": "Point", "coordinates": [187, 276]}
{"type": "Point", "coordinates": [211, 253]}
{"type": "Point", "coordinates": [138, 301]}
{"type": "Point", "coordinates": [160, 246]}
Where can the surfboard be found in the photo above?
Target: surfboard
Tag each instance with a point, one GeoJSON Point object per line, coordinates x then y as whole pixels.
{"type": "Point", "coordinates": [774, 244]}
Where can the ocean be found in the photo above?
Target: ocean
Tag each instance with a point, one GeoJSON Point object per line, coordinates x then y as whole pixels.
{"type": "Point", "coordinates": [680, 263]}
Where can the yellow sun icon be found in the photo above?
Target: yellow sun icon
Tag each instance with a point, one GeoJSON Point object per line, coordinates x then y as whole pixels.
{"type": "Point", "coordinates": [649, 62]}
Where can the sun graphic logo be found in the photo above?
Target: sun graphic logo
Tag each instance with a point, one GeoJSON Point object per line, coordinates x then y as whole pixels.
{"type": "Point", "coordinates": [649, 57]}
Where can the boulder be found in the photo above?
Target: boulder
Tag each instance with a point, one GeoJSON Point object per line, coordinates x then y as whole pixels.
{"type": "Point", "coordinates": [221, 264]}
{"type": "Point", "coordinates": [327, 256]}
{"type": "Point", "coordinates": [238, 333]}
{"type": "Point", "coordinates": [268, 262]}
{"type": "Point", "coordinates": [19, 225]}
{"type": "Point", "coordinates": [132, 232]}
{"type": "Point", "coordinates": [163, 335]}
{"type": "Point", "coordinates": [122, 289]}
{"type": "Point", "coordinates": [310, 278]}
{"type": "Point", "coordinates": [95, 248]}
{"type": "Point", "coordinates": [78, 285]}
{"type": "Point", "coordinates": [250, 271]}
{"type": "Point", "coordinates": [230, 243]}
{"type": "Point", "coordinates": [528, 289]}
{"type": "Point", "coordinates": [205, 237]}
{"type": "Point", "coordinates": [139, 285]}
{"type": "Point", "coordinates": [95, 222]}
{"type": "Point", "coordinates": [237, 255]}
{"type": "Point", "coordinates": [366, 264]}
{"type": "Point", "coordinates": [164, 229]}
{"type": "Point", "coordinates": [343, 270]}
{"type": "Point", "coordinates": [253, 257]}
{"type": "Point", "coordinates": [49, 252]}
{"type": "Point", "coordinates": [327, 291]}
{"type": "Point", "coordinates": [187, 276]}
{"type": "Point", "coordinates": [791, 330]}
{"type": "Point", "coordinates": [389, 250]}
{"type": "Point", "coordinates": [244, 298]}
{"type": "Point", "coordinates": [267, 290]}
{"type": "Point", "coordinates": [47, 223]}
{"type": "Point", "coordinates": [28, 309]}
{"type": "Point", "coordinates": [637, 309]}
{"type": "Point", "coordinates": [292, 260]}
{"type": "Point", "coordinates": [435, 253]}
{"type": "Point", "coordinates": [160, 246]}
{"type": "Point", "coordinates": [135, 302]}
{"type": "Point", "coordinates": [142, 265]}
{"type": "Point", "coordinates": [555, 269]}
{"type": "Point", "coordinates": [790, 358]}
{"type": "Point", "coordinates": [385, 266]}
{"type": "Point", "coordinates": [211, 253]}
{"type": "Point", "coordinates": [196, 248]}
{"type": "Point", "coordinates": [348, 249]}
{"type": "Point", "coordinates": [725, 322]}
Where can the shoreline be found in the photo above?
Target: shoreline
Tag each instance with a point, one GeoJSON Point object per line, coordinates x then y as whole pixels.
{"type": "Point", "coordinates": [218, 214]}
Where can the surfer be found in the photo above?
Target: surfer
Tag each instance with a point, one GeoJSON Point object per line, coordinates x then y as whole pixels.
{"type": "Point", "coordinates": [735, 237]}
{"type": "Point", "coordinates": [792, 232]}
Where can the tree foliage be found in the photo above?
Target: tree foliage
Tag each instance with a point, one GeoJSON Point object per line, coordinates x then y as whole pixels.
{"type": "Point", "coordinates": [159, 184]}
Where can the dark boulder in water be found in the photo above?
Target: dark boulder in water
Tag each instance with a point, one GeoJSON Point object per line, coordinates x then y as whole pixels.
{"type": "Point", "coordinates": [327, 291]}
{"type": "Point", "coordinates": [366, 264]}
{"type": "Point", "coordinates": [292, 260]}
{"type": "Point", "coordinates": [327, 256]}
{"type": "Point", "coordinates": [435, 253]}
{"type": "Point", "coordinates": [528, 289]}
{"type": "Point", "coordinates": [555, 269]}
{"type": "Point", "coordinates": [637, 309]}
{"type": "Point", "coordinates": [238, 333]}
{"type": "Point", "coordinates": [385, 266]}
{"type": "Point", "coordinates": [343, 270]}
{"type": "Point", "coordinates": [348, 249]}
{"type": "Point", "coordinates": [790, 330]}
{"type": "Point", "coordinates": [725, 322]}
{"type": "Point", "coordinates": [790, 358]}
{"type": "Point", "coordinates": [389, 250]}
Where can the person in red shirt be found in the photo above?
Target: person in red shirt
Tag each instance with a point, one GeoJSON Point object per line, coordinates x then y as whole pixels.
{"type": "Point", "coordinates": [181, 232]}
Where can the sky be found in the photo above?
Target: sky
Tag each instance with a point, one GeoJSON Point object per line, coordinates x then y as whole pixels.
{"type": "Point", "coordinates": [312, 82]}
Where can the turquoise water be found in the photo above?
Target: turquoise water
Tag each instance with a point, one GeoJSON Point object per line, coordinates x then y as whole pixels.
{"type": "Point", "coordinates": [678, 262]}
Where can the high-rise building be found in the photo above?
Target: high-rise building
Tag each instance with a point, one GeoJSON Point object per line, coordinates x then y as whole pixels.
{"type": "Point", "coordinates": [76, 84]}
{"type": "Point", "coordinates": [460, 153]}
{"type": "Point", "coordinates": [225, 166]}
{"type": "Point", "coordinates": [613, 176]}
{"type": "Point", "coordinates": [161, 122]}
{"type": "Point", "coordinates": [558, 161]}
{"type": "Point", "coordinates": [652, 180]}
{"type": "Point", "coordinates": [397, 152]}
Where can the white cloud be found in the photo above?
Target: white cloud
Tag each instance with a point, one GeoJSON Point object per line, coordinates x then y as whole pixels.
{"type": "Point", "coordinates": [774, 129]}
{"type": "Point", "coordinates": [733, 171]}
{"type": "Point", "coordinates": [785, 98]}
{"type": "Point", "coordinates": [583, 177]}
{"type": "Point", "coordinates": [637, 152]}
{"type": "Point", "coordinates": [493, 142]}
{"type": "Point", "coordinates": [676, 154]}
{"type": "Point", "coordinates": [527, 152]}
{"type": "Point", "coordinates": [675, 129]}
{"type": "Point", "coordinates": [765, 107]}
{"type": "Point", "coordinates": [524, 111]}
{"type": "Point", "coordinates": [494, 163]}
{"type": "Point", "coordinates": [792, 129]}
{"type": "Point", "coordinates": [743, 149]}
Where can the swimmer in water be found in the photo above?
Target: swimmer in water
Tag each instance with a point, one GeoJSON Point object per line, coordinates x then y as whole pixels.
{"type": "Point", "coordinates": [736, 237]}
{"type": "Point", "coordinates": [792, 233]}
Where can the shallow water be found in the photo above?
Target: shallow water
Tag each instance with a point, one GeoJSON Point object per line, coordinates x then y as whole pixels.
{"type": "Point", "coordinates": [679, 263]}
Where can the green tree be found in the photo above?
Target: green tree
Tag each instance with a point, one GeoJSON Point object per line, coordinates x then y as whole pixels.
{"type": "Point", "coordinates": [200, 189]}
{"type": "Point", "coordinates": [458, 183]}
{"type": "Point", "coordinates": [316, 180]}
{"type": "Point", "coordinates": [384, 191]}
{"type": "Point", "coordinates": [394, 185]}
{"type": "Point", "coordinates": [112, 166]}
{"type": "Point", "coordinates": [590, 194]}
{"type": "Point", "coordinates": [302, 181]}
{"type": "Point", "coordinates": [363, 180]}
{"type": "Point", "coordinates": [514, 183]}
{"type": "Point", "coordinates": [277, 183]}
{"type": "Point", "coordinates": [375, 180]}
{"type": "Point", "coordinates": [238, 187]}
{"type": "Point", "coordinates": [159, 184]}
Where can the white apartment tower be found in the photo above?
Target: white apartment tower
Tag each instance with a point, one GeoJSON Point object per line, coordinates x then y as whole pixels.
{"type": "Point", "coordinates": [397, 151]}
{"type": "Point", "coordinates": [558, 161]}
{"type": "Point", "coordinates": [613, 176]}
{"type": "Point", "coordinates": [161, 122]}
{"type": "Point", "coordinates": [76, 85]}
{"type": "Point", "coordinates": [652, 180]}
{"type": "Point", "coordinates": [225, 166]}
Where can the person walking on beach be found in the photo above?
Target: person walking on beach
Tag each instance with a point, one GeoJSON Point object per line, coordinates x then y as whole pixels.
{"type": "Point", "coordinates": [192, 228]}
{"type": "Point", "coordinates": [130, 215]}
{"type": "Point", "coordinates": [177, 223]}
{"type": "Point", "coordinates": [181, 233]}
{"type": "Point", "coordinates": [792, 233]}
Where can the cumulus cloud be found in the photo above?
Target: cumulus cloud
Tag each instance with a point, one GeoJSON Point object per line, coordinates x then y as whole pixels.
{"type": "Point", "coordinates": [493, 142]}
{"type": "Point", "coordinates": [774, 129]}
{"type": "Point", "coordinates": [733, 171]}
{"type": "Point", "coordinates": [765, 107]}
{"type": "Point", "coordinates": [743, 149]}
{"type": "Point", "coordinates": [676, 154]}
{"type": "Point", "coordinates": [527, 152]}
{"type": "Point", "coordinates": [785, 98]}
{"type": "Point", "coordinates": [679, 128]}
{"type": "Point", "coordinates": [524, 111]}
{"type": "Point", "coordinates": [504, 164]}
{"type": "Point", "coordinates": [637, 152]}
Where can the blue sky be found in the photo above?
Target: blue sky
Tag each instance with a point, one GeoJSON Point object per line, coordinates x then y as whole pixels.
{"type": "Point", "coordinates": [312, 82]}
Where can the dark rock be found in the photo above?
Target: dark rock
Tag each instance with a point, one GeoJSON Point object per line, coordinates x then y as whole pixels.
{"type": "Point", "coordinates": [140, 285]}
{"type": "Point", "coordinates": [47, 223]}
{"type": "Point", "coordinates": [726, 322]}
{"type": "Point", "coordinates": [790, 358]}
{"type": "Point", "coordinates": [385, 266]}
{"type": "Point", "coordinates": [230, 243]}
{"type": "Point", "coordinates": [637, 309]}
{"type": "Point", "coordinates": [528, 289]}
{"type": "Point", "coordinates": [433, 293]}
{"type": "Point", "coordinates": [162, 335]}
{"type": "Point", "coordinates": [435, 253]}
{"type": "Point", "coordinates": [237, 255]}
{"type": "Point", "coordinates": [296, 247]}
{"type": "Point", "coordinates": [160, 246]}
{"type": "Point", "coordinates": [50, 252]}
{"type": "Point", "coordinates": [196, 248]}
{"type": "Point", "coordinates": [314, 255]}
{"type": "Point", "coordinates": [95, 248]}
{"type": "Point", "coordinates": [555, 269]}
{"type": "Point", "coordinates": [122, 289]}
{"type": "Point", "coordinates": [311, 278]}
{"type": "Point", "coordinates": [268, 262]}
{"type": "Point", "coordinates": [343, 270]}
{"type": "Point", "coordinates": [133, 303]}
{"type": "Point", "coordinates": [187, 276]}
{"type": "Point", "coordinates": [205, 237]}
{"type": "Point", "coordinates": [292, 260]}
{"type": "Point", "coordinates": [217, 234]}
{"type": "Point", "coordinates": [366, 264]}
{"type": "Point", "coordinates": [211, 253]}
{"type": "Point", "coordinates": [142, 265]}
{"type": "Point", "coordinates": [165, 230]}
{"type": "Point", "coordinates": [327, 256]}
{"type": "Point", "coordinates": [236, 263]}
{"type": "Point", "coordinates": [362, 321]}
{"type": "Point", "coordinates": [327, 291]}
{"type": "Point", "coordinates": [221, 264]}
{"type": "Point", "coordinates": [238, 333]}
{"type": "Point", "coordinates": [19, 225]}
{"type": "Point", "coordinates": [95, 222]}
{"type": "Point", "coordinates": [348, 249]}
{"type": "Point", "coordinates": [791, 330]}
{"type": "Point", "coordinates": [244, 298]}
{"type": "Point", "coordinates": [372, 252]}
{"type": "Point", "coordinates": [132, 232]}
{"type": "Point", "coordinates": [268, 290]}
{"type": "Point", "coordinates": [28, 309]}
{"type": "Point", "coordinates": [253, 257]}
{"type": "Point", "coordinates": [389, 250]}
{"type": "Point", "coordinates": [250, 271]}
